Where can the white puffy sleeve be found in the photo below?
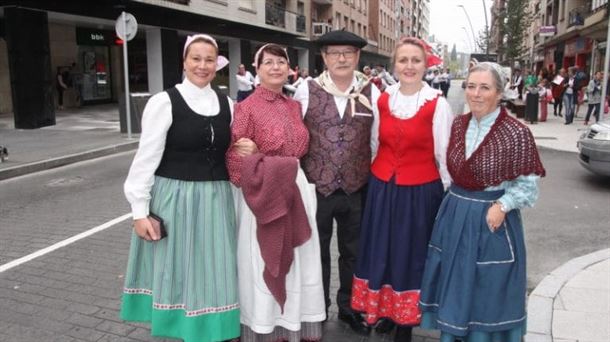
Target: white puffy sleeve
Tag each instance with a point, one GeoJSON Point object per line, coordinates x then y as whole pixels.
{"type": "Point", "coordinates": [441, 130]}
{"type": "Point", "coordinates": [156, 120]}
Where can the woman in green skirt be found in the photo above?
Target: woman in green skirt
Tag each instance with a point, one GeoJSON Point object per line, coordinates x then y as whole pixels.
{"type": "Point", "coordinates": [182, 274]}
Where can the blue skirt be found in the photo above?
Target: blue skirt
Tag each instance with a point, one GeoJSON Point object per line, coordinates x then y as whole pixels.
{"type": "Point", "coordinates": [474, 284]}
{"type": "Point", "coordinates": [396, 226]}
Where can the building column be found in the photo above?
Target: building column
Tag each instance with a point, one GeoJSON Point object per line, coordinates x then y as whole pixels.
{"type": "Point", "coordinates": [163, 59]}
{"type": "Point", "coordinates": [234, 62]}
{"type": "Point", "coordinates": [171, 54]}
{"type": "Point", "coordinates": [304, 59]}
{"type": "Point", "coordinates": [29, 57]}
{"type": "Point", "coordinates": [154, 60]}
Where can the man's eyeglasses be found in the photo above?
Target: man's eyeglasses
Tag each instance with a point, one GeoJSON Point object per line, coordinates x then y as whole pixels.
{"type": "Point", "coordinates": [347, 54]}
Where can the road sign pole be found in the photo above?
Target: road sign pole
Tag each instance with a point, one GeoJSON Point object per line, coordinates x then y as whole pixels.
{"type": "Point", "coordinates": [126, 74]}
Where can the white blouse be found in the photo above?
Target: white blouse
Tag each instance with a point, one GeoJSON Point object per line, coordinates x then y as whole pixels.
{"type": "Point", "coordinates": [156, 121]}
{"type": "Point", "coordinates": [406, 106]}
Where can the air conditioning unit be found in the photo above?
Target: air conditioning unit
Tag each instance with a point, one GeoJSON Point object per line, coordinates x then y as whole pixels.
{"type": "Point", "coordinates": [319, 29]}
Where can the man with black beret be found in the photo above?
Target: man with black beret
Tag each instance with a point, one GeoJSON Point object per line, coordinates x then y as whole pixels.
{"type": "Point", "coordinates": [340, 112]}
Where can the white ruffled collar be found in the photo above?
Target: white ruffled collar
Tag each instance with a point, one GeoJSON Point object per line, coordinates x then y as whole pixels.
{"type": "Point", "coordinates": [399, 103]}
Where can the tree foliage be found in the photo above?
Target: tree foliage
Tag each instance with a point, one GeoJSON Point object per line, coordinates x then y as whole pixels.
{"type": "Point", "coordinates": [453, 53]}
{"type": "Point", "coordinates": [483, 40]}
{"type": "Point", "coordinates": [516, 21]}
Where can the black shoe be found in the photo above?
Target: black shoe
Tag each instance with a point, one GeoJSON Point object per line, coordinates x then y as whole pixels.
{"type": "Point", "coordinates": [403, 334]}
{"type": "Point", "coordinates": [384, 326]}
{"type": "Point", "coordinates": [561, 116]}
{"type": "Point", "coordinates": [356, 322]}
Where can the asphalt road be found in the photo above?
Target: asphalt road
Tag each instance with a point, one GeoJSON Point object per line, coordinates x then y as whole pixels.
{"type": "Point", "coordinates": [72, 294]}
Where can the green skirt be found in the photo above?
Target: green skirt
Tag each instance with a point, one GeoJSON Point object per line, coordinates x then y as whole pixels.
{"type": "Point", "coordinates": [185, 285]}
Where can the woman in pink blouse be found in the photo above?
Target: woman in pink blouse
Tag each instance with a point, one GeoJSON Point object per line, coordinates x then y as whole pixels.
{"type": "Point", "coordinates": [280, 277]}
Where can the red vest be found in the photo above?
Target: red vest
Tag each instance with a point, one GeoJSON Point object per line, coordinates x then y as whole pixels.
{"type": "Point", "coordinates": [406, 146]}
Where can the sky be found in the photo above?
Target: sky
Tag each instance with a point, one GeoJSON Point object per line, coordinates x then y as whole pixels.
{"type": "Point", "coordinates": [447, 20]}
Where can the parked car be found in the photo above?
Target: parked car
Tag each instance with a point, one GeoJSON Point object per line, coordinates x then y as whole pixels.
{"type": "Point", "coordinates": [594, 147]}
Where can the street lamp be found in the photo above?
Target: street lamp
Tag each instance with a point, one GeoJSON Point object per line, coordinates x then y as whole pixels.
{"type": "Point", "coordinates": [468, 38]}
{"type": "Point", "coordinates": [470, 23]}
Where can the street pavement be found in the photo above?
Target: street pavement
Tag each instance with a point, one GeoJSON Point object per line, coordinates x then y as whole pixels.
{"type": "Point", "coordinates": [79, 303]}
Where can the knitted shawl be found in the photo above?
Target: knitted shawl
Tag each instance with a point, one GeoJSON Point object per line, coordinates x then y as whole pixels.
{"type": "Point", "coordinates": [269, 188]}
{"type": "Point", "coordinates": [507, 152]}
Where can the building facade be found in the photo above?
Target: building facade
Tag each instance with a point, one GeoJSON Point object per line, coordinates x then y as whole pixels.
{"type": "Point", "coordinates": [572, 33]}
{"type": "Point", "coordinates": [80, 36]}
{"type": "Point", "coordinates": [562, 33]}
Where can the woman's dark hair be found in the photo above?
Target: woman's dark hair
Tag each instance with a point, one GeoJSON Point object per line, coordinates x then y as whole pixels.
{"type": "Point", "coordinates": [272, 49]}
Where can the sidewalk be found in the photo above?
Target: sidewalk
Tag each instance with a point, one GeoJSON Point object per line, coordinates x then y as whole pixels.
{"type": "Point", "coordinates": [79, 134]}
{"type": "Point", "coordinates": [570, 304]}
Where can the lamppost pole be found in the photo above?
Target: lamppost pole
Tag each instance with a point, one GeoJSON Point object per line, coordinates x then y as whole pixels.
{"type": "Point", "coordinates": [468, 39]}
{"type": "Point", "coordinates": [470, 23]}
{"type": "Point", "coordinates": [486, 32]}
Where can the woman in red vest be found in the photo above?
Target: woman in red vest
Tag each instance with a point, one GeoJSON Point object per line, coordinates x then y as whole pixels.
{"type": "Point", "coordinates": [405, 190]}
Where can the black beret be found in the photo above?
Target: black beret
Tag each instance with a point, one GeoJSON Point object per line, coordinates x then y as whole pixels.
{"type": "Point", "coordinates": [341, 37]}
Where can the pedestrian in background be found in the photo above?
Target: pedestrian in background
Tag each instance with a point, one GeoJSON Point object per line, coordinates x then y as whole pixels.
{"type": "Point", "coordinates": [377, 81]}
{"type": "Point", "coordinates": [408, 178]}
{"type": "Point", "coordinates": [558, 87]}
{"type": "Point", "coordinates": [61, 84]}
{"type": "Point", "coordinates": [340, 112]}
{"type": "Point", "coordinates": [581, 80]}
{"type": "Point", "coordinates": [531, 97]}
{"type": "Point", "coordinates": [568, 96]}
{"type": "Point", "coordinates": [517, 82]}
{"type": "Point", "coordinates": [444, 82]}
{"type": "Point", "coordinates": [367, 71]}
{"type": "Point", "coordinates": [429, 77]}
{"type": "Point", "coordinates": [385, 76]}
{"type": "Point", "coordinates": [184, 284]}
{"type": "Point", "coordinates": [474, 283]}
{"type": "Point", "coordinates": [245, 83]}
{"type": "Point", "coordinates": [280, 276]}
{"type": "Point", "coordinates": [594, 93]}
{"type": "Point", "coordinates": [436, 80]}
{"type": "Point", "coordinates": [544, 95]}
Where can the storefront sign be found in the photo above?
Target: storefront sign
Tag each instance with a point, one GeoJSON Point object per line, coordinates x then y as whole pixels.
{"type": "Point", "coordinates": [85, 36]}
{"type": "Point", "coordinates": [547, 31]}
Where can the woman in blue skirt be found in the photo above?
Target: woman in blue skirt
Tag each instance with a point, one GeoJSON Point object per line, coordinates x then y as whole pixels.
{"type": "Point", "coordinates": [184, 284]}
{"type": "Point", "coordinates": [474, 284]}
{"type": "Point", "coordinates": [405, 190]}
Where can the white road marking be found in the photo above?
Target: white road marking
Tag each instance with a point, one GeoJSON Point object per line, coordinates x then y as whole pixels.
{"type": "Point", "coordinates": [63, 243]}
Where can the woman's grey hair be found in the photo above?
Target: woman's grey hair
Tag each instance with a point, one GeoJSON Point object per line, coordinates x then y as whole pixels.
{"type": "Point", "coordinates": [495, 70]}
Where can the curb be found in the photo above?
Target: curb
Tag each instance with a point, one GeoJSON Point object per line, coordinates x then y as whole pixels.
{"type": "Point", "coordinates": [541, 300]}
{"type": "Point", "coordinates": [20, 170]}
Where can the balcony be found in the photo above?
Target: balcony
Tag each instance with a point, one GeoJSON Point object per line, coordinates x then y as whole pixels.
{"type": "Point", "coordinates": [576, 16]}
{"type": "Point", "coordinates": [279, 17]}
{"type": "Point", "coordinates": [320, 28]}
{"type": "Point", "coordinates": [323, 2]}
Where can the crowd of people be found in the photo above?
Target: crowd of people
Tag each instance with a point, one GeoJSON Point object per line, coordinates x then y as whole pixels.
{"type": "Point", "coordinates": [567, 90]}
{"type": "Point", "coordinates": [234, 206]}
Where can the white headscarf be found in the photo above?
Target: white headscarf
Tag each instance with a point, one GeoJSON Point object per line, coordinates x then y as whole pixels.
{"type": "Point", "coordinates": [221, 61]}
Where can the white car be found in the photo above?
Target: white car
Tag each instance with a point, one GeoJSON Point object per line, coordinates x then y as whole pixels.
{"type": "Point", "coordinates": [594, 147]}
